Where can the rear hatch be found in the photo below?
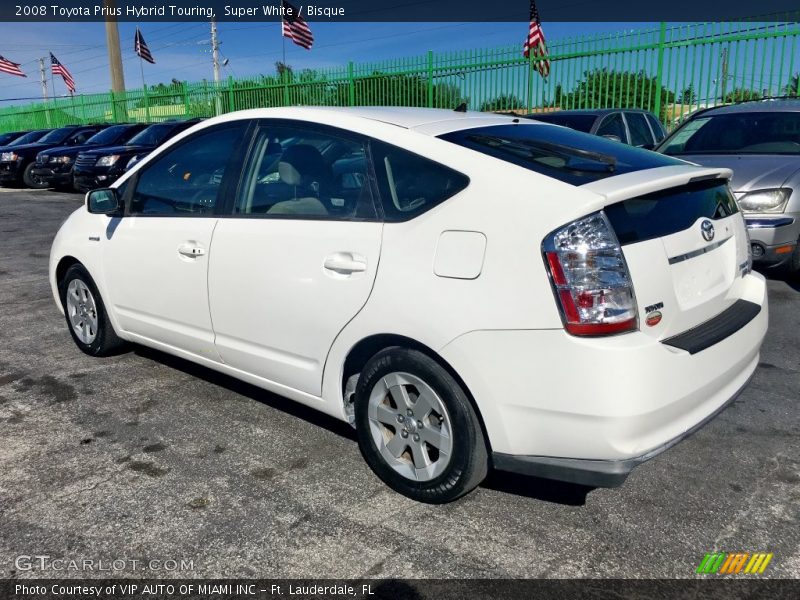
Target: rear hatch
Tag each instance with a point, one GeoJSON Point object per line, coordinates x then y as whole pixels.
{"type": "Point", "coordinates": [684, 242]}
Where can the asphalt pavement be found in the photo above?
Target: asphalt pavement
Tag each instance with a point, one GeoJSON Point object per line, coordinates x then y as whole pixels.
{"type": "Point", "coordinates": [144, 457]}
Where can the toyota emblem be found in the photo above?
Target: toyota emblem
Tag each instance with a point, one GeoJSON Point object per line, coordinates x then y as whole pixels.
{"type": "Point", "coordinates": [707, 229]}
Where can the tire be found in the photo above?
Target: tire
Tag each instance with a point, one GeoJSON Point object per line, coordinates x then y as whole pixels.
{"type": "Point", "coordinates": [30, 181]}
{"type": "Point", "coordinates": [87, 319]}
{"type": "Point", "coordinates": [414, 455]}
{"type": "Point", "coordinates": [792, 266]}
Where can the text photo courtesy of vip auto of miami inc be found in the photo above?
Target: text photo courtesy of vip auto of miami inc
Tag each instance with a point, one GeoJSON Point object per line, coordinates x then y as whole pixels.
{"type": "Point", "coordinates": [385, 299]}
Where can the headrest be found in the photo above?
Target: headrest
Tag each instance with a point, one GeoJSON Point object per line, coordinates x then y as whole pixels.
{"type": "Point", "coordinates": [301, 164]}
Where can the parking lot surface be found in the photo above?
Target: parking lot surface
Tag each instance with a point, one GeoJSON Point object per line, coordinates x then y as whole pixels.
{"type": "Point", "coordinates": [143, 456]}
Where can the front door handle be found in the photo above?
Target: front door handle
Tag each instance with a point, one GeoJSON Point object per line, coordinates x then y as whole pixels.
{"type": "Point", "coordinates": [191, 249]}
{"type": "Point", "coordinates": [345, 263]}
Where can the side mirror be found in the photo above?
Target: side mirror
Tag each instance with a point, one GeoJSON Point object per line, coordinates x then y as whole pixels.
{"type": "Point", "coordinates": [647, 146]}
{"type": "Point", "coordinates": [103, 202]}
{"type": "Point", "coordinates": [612, 137]}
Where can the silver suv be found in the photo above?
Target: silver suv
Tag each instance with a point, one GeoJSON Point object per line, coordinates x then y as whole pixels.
{"type": "Point", "coordinates": [760, 141]}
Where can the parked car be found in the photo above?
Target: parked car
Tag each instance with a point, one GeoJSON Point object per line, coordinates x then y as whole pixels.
{"type": "Point", "coordinates": [760, 141]}
{"type": "Point", "coordinates": [7, 138]}
{"type": "Point", "coordinates": [26, 138]}
{"type": "Point", "coordinates": [632, 126]}
{"type": "Point", "coordinates": [548, 302]}
{"type": "Point", "coordinates": [17, 163]}
{"type": "Point", "coordinates": [54, 166]}
{"type": "Point", "coordinates": [102, 167]}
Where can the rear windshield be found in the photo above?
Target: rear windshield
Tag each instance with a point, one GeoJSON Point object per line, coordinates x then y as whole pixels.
{"type": "Point", "coordinates": [578, 122]}
{"type": "Point", "coordinates": [564, 154]}
{"type": "Point", "coordinates": [668, 211]}
{"type": "Point", "coordinates": [737, 133]}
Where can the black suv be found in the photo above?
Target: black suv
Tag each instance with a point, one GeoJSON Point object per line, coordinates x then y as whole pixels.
{"type": "Point", "coordinates": [26, 138]}
{"type": "Point", "coordinates": [54, 166]}
{"type": "Point", "coordinates": [18, 162]}
{"type": "Point", "coordinates": [101, 167]}
{"type": "Point", "coordinates": [8, 137]}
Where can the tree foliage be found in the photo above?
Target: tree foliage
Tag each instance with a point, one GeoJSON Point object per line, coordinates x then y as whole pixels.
{"type": "Point", "coordinates": [741, 95]}
{"type": "Point", "coordinates": [502, 103]}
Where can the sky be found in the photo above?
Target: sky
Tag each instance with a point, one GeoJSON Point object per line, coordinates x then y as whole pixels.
{"type": "Point", "coordinates": [183, 51]}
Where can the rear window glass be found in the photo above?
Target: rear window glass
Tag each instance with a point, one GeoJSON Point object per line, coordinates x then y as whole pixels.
{"type": "Point", "coordinates": [564, 154]}
{"type": "Point", "coordinates": [411, 184]}
{"type": "Point", "coordinates": [669, 211]}
{"type": "Point", "coordinates": [577, 122]}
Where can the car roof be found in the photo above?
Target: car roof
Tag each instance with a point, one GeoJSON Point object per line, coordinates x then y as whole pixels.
{"type": "Point", "coordinates": [585, 111]}
{"type": "Point", "coordinates": [432, 121]}
{"type": "Point", "coordinates": [768, 105]}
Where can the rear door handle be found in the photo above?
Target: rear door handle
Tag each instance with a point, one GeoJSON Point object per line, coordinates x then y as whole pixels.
{"type": "Point", "coordinates": [192, 250]}
{"type": "Point", "coordinates": [345, 263]}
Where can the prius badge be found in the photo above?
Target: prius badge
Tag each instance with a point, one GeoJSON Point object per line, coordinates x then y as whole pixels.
{"type": "Point", "coordinates": [707, 229]}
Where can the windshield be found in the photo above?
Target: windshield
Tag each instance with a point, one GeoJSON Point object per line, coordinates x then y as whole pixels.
{"type": "Point", "coordinates": [57, 136]}
{"type": "Point", "coordinates": [107, 136]}
{"type": "Point", "coordinates": [5, 138]}
{"type": "Point", "coordinates": [737, 133]}
{"type": "Point", "coordinates": [577, 122]}
{"type": "Point", "coordinates": [152, 136]}
{"type": "Point", "coordinates": [28, 138]}
{"type": "Point", "coordinates": [564, 154]}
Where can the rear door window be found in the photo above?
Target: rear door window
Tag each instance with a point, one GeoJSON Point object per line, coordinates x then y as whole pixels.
{"type": "Point", "coordinates": [639, 130]}
{"type": "Point", "coordinates": [410, 184]}
{"type": "Point", "coordinates": [613, 125]}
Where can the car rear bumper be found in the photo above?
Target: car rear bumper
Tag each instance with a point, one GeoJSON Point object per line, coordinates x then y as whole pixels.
{"type": "Point", "coordinates": [595, 473]}
{"type": "Point", "coordinates": [590, 410]}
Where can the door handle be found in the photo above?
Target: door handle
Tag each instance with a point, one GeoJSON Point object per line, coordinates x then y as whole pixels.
{"type": "Point", "coordinates": [345, 263]}
{"type": "Point", "coordinates": [191, 250]}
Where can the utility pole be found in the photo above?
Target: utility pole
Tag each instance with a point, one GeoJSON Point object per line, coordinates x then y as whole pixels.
{"type": "Point", "coordinates": [724, 86]}
{"type": "Point", "coordinates": [114, 57]}
{"type": "Point", "coordinates": [43, 79]}
{"type": "Point", "coordinates": [215, 60]}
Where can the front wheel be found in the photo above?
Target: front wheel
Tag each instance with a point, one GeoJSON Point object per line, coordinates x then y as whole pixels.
{"type": "Point", "coordinates": [31, 180]}
{"type": "Point", "coordinates": [417, 429]}
{"type": "Point", "coordinates": [86, 314]}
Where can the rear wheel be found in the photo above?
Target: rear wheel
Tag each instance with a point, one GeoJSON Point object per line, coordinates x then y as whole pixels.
{"type": "Point", "coordinates": [86, 314]}
{"type": "Point", "coordinates": [31, 180]}
{"type": "Point", "coordinates": [417, 429]}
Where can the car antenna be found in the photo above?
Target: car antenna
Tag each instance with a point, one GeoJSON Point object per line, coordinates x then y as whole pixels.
{"type": "Point", "coordinates": [461, 107]}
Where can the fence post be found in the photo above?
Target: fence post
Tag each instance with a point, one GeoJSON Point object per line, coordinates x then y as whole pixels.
{"type": "Point", "coordinates": [529, 103]}
{"type": "Point", "coordinates": [185, 86]}
{"type": "Point", "coordinates": [83, 109]}
{"type": "Point", "coordinates": [231, 106]}
{"type": "Point", "coordinates": [430, 78]}
{"type": "Point", "coordinates": [113, 100]}
{"type": "Point", "coordinates": [146, 103]}
{"type": "Point", "coordinates": [662, 40]}
{"type": "Point", "coordinates": [351, 85]}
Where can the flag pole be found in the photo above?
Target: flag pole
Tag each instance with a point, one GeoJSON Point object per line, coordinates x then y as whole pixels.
{"type": "Point", "coordinates": [141, 68]}
{"type": "Point", "coordinates": [53, 81]}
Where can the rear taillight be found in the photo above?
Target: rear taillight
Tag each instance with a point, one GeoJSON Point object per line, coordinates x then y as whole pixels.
{"type": "Point", "coordinates": [590, 278]}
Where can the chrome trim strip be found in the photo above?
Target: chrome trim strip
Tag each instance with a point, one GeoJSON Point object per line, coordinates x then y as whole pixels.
{"type": "Point", "coordinates": [768, 223]}
{"type": "Point", "coordinates": [699, 252]}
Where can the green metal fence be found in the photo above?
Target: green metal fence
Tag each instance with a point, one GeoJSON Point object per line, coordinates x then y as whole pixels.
{"type": "Point", "coordinates": [670, 70]}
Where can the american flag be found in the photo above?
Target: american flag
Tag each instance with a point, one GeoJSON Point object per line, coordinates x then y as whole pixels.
{"type": "Point", "coordinates": [294, 26]}
{"type": "Point", "coordinates": [58, 69]}
{"type": "Point", "coordinates": [12, 68]}
{"type": "Point", "coordinates": [535, 43]}
{"type": "Point", "coordinates": [140, 47]}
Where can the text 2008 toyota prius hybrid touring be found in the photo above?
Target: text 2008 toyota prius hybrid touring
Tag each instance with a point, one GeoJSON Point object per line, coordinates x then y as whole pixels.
{"type": "Point", "coordinates": [467, 290]}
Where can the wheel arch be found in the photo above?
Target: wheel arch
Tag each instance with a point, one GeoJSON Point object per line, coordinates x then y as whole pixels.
{"type": "Point", "coordinates": [365, 349]}
{"type": "Point", "coordinates": [64, 263]}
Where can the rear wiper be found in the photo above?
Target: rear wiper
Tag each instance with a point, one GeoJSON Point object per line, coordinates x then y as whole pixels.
{"type": "Point", "coordinates": [559, 149]}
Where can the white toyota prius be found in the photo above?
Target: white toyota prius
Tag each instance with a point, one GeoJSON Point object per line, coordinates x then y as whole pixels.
{"type": "Point", "coordinates": [467, 290]}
